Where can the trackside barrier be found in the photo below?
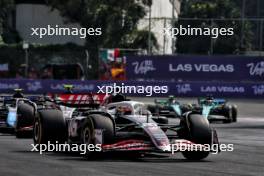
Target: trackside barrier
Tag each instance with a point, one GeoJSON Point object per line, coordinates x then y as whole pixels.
{"type": "Point", "coordinates": [181, 89]}
{"type": "Point", "coordinates": [196, 68]}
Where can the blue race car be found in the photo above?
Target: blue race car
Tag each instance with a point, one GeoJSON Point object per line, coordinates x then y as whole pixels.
{"type": "Point", "coordinates": [16, 114]}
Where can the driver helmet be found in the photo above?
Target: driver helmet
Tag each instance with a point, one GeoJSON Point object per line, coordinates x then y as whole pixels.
{"type": "Point", "coordinates": [18, 93]}
{"type": "Point", "coordinates": [209, 99]}
{"type": "Point", "coordinates": [118, 98]}
{"type": "Point", "coordinates": [171, 99]}
{"type": "Point", "coordinates": [68, 88]}
{"type": "Point", "coordinates": [124, 110]}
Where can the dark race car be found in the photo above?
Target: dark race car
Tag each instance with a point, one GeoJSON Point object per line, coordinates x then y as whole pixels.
{"type": "Point", "coordinates": [17, 114]}
{"type": "Point", "coordinates": [80, 119]}
{"type": "Point", "coordinates": [169, 107]}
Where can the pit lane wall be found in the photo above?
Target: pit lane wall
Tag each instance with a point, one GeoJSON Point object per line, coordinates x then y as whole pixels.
{"type": "Point", "coordinates": [181, 89]}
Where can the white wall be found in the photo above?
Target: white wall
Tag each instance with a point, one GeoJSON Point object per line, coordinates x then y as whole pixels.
{"type": "Point", "coordinates": [161, 9]}
{"type": "Point", "coordinates": [35, 15]}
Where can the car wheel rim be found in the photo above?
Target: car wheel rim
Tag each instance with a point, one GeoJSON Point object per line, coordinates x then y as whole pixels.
{"type": "Point", "coordinates": [36, 131]}
{"type": "Point", "coordinates": [86, 136]}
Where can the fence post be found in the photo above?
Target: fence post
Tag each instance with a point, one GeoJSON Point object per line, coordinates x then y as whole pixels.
{"type": "Point", "coordinates": [164, 36]}
{"type": "Point", "coordinates": [260, 36]}
{"type": "Point", "coordinates": [211, 39]}
{"type": "Point", "coordinates": [243, 24]}
{"type": "Point", "coordinates": [149, 32]}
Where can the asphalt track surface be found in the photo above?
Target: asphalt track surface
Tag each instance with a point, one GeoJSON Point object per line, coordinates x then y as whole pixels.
{"type": "Point", "coordinates": [247, 135]}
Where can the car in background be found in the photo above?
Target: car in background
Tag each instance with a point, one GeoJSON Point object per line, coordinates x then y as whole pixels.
{"type": "Point", "coordinates": [169, 107]}
{"type": "Point", "coordinates": [17, 114]}
{"type": "Point", "coordinates": [211, 108]}
{"type": "Point", "coordinates": [216, 109]}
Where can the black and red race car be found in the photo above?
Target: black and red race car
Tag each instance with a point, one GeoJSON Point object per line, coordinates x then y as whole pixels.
{"type": "Point", "coordinates": [79, 119]}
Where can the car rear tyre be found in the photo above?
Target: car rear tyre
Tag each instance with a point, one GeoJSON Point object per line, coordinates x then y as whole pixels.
{"type": "Point", "coordinates": [234, 113]}
{"type": "Point", "coordinates": [25, 119]}
{"type": "Point", "coordinates": [228, 114]}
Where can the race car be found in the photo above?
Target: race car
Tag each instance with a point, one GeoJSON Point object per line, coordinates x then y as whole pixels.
{"type": "Point", "coordinates": [216, 109]}
{"type": "Point", "coordinates": [213, 109]}
{"type": "Point", "coordinates": [17, 114]}
{"type": "Point", "coordinates": [118, 128]}
{"type": "Point", "coordinates": [167, 107]}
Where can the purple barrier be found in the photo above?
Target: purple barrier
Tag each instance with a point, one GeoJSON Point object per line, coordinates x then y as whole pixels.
{"type": "Point", "coordinates": [182, 89]}
{"type": "Point", "coordinates": [196, 68]}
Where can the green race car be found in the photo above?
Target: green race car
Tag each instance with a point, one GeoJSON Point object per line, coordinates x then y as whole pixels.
{"type": "Point", "coordinates": [168, 107]}
{"type": "Point", "coordinates": [210, 108]}
{"type": "Point", "coordinates": [216, 109]}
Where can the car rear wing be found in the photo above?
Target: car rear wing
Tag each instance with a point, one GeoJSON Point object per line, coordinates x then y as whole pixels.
{"type": "Point", "coordinates": [78, 100]}
{"type": "Point", "coordinates": [217, 101]}
{"type": "Point", "coordinates": [160, 101]}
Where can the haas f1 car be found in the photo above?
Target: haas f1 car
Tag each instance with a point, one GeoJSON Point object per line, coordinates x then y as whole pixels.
{"type": "Point", "coordinates": [123, 126]}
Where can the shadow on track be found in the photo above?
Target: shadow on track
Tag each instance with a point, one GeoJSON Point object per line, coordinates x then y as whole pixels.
{"type": "Point", "coordinates": [114, 157]}
{"type": "Point", "coordinates": [123, 157]}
